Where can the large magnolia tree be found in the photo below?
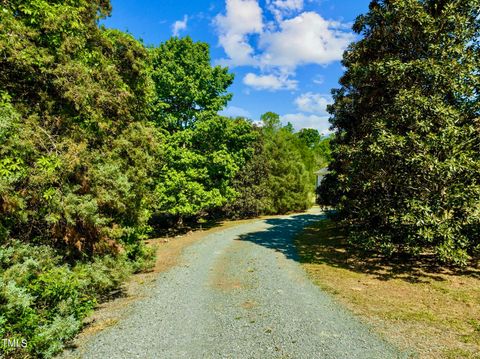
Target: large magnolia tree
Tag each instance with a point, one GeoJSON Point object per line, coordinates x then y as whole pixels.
{"type": "Point", "coordinates": [406, 169]}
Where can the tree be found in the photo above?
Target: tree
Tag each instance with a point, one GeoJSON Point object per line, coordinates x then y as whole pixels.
{"type": "Point", "coordinates": [323, 150]}
{"type": "Point", "coordinates": [203, 150]}
{"type": "Point", "coordinates": [200, 164]}
{"type": "Point", "coordinates": [76, 149]}
{"type": "Point", "coordinates": [271, 121]}
{"type": "Point", "coordinates": [187, 87]}
{"type": "Point", "coordinates": [280, 175]}
{"type": "Point", "coordinates": [309, 136]}
{"type": "Point", "coordinates": [77, 159]}
{"type": "Point", "coordinates": [289, 181]}
{"type": "Point", "coordinates": [405, 174]}
{"type": "Point", "coordinates": [253, 195]}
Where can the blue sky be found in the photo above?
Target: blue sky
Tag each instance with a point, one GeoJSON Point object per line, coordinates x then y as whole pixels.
{"type": "Point", "coordinates": [285, 54]}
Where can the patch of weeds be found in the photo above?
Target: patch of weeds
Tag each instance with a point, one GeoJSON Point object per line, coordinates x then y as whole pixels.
{"type": "Point", "coordinates": [459, 353]}
{"type": "Point", "coordinates": [418, 316]}
{"type": "Point", "coordinates": [473, 337]}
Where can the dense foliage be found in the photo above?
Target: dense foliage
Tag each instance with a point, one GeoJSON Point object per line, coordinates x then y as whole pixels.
{"type": "Point", "coordinates": [75, 153]}
{"type": "Point", "coordinates": [405, 174]}
{"type": "Point", "coordinates": [99, 136]}
{"type": "Point", "coordinates": [280, 176]}
{"type": "Point", "coordinates": [76, 157]}
{"type": "Point", "coordinates": [203, 150]}
{"type": "Point", "coordinates": [43, 300]}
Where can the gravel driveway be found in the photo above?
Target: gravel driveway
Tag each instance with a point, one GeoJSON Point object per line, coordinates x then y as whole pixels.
{"type": "Point", "coordinates": [240, 293]}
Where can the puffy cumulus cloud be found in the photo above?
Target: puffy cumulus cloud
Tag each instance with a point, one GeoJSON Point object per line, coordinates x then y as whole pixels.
{"type": "Point", "coordinates": [293, 38]}
{"type": "Point", "coordinates": [305, 39]}
{"type": "Point", "coordinates": [313, 103]}
{"type": "Point", "coordinates": [242, 17]}
{"type": "Point", "coordinates": [179, 25]}
{"type": "Point", "coordinates": [238, 50]}
{"type": "Point", "coordinates": [300, 120]}
{"type": "Point", "coordinates": [269, 82]}
{"type": "Point", "coordinates": [233, 111]}
{"type": "Point", "coordinates": [282, 8]}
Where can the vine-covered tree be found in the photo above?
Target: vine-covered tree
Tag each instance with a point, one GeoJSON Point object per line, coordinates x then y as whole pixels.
{"type": "Point", "coordinates": [406, 169]}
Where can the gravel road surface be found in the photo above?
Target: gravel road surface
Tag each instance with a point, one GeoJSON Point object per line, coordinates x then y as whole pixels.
{"type": "Point", "coordinates": [239, 293]}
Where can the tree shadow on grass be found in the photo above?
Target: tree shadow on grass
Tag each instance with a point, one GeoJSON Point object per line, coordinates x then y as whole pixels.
{"type": "Point", "coordinates": [325, 243]}
{"type": "Point", "coordinates": [313, 239]}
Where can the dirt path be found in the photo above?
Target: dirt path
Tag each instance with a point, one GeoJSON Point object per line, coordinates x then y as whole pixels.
{"type": "Point", "coordinates": [238, 293]}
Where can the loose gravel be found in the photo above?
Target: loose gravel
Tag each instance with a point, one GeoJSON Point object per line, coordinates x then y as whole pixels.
{"type": "Point", "coordinates": [240, 293]}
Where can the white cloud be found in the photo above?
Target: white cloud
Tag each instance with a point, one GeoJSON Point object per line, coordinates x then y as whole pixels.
{"type": "Point", "coordinates": [179, 25]}
{"type": "Point", "coordinates": [305, 39]}
{"type": "Point", "coordinates": [233, 111]}
{"type": "Point", "coordinates": [238, 50]}
{"type": "Point", "coordinates": [269, 82]}
{"type": "Point", "coordinates": [300, 120]}
{"type": "Point", "coordinates": [289, 5]}
{"type": "Point", "coordinates": [293, 38]}
{"type": "Point", "coordinates": [242, 18]}
{"type": "Point", "coordinates": [313, 103]}
{"type": "Point", "coordinates": [282, 8]}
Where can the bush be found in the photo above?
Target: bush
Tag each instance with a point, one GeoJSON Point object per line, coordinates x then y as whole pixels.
{"type": "Point", "coordinates": [44, 300]}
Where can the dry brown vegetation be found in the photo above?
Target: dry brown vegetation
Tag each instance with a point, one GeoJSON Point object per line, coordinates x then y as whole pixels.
{"type": "Point", "coordinates": [421, 307]}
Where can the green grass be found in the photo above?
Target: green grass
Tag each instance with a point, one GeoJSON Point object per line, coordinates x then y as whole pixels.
{"type": "Point", "coordinates": [413, 302]}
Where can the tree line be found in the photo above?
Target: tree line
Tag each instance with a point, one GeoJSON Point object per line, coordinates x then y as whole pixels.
{"type": "Point", "coordinates": [103, 139]}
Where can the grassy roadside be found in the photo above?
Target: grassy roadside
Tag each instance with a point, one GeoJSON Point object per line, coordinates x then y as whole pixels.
{"type": "Point", "coordinates": [417, 305]}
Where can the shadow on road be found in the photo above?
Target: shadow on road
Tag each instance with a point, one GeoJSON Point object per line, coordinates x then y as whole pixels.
{"type": "Point", "coordinates": [322, 242]}
{"type": "Point", "coordinates": [282, 232]}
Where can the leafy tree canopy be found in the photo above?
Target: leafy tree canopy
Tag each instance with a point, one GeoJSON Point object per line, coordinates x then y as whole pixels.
{"type": "Point", "coordinates": [309, 136]}
{"type": "Point", "coordinates": [406, 169]}
{"type": "Point", "coordinates": [187, 87]}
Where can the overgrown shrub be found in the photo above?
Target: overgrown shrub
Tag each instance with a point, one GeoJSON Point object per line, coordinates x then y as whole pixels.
{"type": "Point", "coordinates": [76, 149]}
{"type": "Point", "coordinates": [43, 300]}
